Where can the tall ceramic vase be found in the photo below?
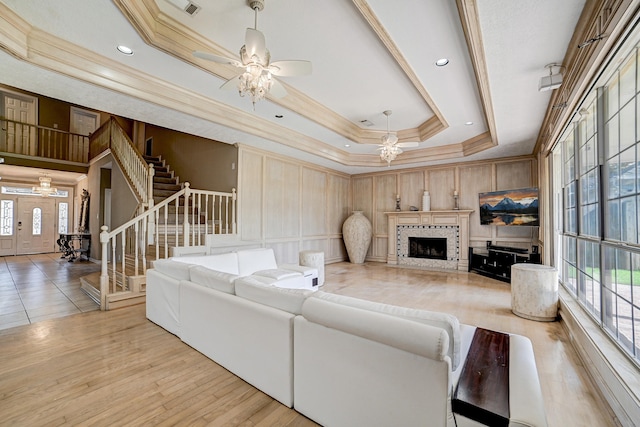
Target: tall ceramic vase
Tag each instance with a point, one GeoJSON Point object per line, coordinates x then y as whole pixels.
{"type": "Point", "coordinates": [356, 232]}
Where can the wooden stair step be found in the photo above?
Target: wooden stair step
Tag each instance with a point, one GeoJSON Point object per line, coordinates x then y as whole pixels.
{"type": "Point", "coordinates": [163, 194]}
{"type": "Point", "coordinates": [163, 174]}
{"type": "Point", "coordinates": [167, 186]}
{"type": "Point", "coordinates": [164, 180]}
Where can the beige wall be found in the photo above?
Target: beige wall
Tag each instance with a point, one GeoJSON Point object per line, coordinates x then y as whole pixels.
{"type": "Point", "coordinates": [291, 206]}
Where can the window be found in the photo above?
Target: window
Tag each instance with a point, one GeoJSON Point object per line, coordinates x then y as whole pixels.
{"type": "Point", "coordinates": [6, 218]}
{"type": "Point", "coordinates": [37, 222]}
{"type": "Point", "coordinates": [596, 168]}
{"type": "Point", "coordinates": [63, 217]}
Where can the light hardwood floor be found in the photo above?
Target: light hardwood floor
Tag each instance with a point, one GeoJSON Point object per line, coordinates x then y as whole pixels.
{"type": "Point", "coordinates": [117, 368]}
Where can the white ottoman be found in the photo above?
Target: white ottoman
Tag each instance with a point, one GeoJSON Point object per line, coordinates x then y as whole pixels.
{"type": "Point", "coordinates": [534, 292]}
{"type": "Point", "coordinates": [313, 259]}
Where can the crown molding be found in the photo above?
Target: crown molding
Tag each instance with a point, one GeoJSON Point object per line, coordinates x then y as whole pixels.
{"type": "Point", "coordinates": [168, 35]}
{"type": "Point", "coordinates": [20, 39]}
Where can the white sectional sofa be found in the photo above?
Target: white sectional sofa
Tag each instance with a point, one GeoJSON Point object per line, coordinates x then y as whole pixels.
{"type": "Point", "coordinates": [338, 360]}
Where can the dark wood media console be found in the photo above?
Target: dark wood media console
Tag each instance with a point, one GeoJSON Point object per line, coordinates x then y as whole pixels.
{"type": "Point", "coordinates": [482, 393]}
{"type": "Point", "coordinates": [497, 262]}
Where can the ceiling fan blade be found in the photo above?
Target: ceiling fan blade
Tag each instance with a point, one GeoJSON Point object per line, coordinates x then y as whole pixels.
{"type": "Point", "coordinates": [408, 144]}
{"type": "Point", "coordinates": [254, 43]}
{"type": "Point", "coordinates": [290, 68]}
{"type": "Point", "coordinates": [215, 58]}
{"type": "Point", "coordinates": [277, 89]}
{"type": "Point", "coordinates": [230, 84]}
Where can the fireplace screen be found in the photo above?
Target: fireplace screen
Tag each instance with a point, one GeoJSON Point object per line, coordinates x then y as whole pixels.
{"type": "Point", "coordinates": [428, 247]}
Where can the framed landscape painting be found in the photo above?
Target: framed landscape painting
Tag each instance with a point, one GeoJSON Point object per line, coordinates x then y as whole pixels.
{"type": "Point", "coordinates": [509, 207]}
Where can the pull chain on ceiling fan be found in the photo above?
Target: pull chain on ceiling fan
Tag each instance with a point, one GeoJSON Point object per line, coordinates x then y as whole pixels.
{"type": "Point", "coordinates": [257, 79]}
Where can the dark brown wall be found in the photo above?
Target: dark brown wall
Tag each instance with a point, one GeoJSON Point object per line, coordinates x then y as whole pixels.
{"type": "Point", "coordinates": [204, 163]}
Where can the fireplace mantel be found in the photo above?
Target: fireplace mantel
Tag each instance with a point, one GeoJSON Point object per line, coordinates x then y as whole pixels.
{"type": "Point", "coordinates": [458, 218]}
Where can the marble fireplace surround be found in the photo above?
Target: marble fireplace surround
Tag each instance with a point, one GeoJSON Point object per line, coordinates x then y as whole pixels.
{"type": "Point", "coordinates": [452, 224]}
{"type": "Point", "coordinates": [449, 232]}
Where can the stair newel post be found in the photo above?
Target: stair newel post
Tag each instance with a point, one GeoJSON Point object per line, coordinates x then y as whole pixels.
{"type": "Point", "coordinates": [151, 203]}
{"type": "Point", "coordinates": [104, 274]}
{"type": "Point", "coordinates": [233, 210]}
{"type": "Point", "coordinates": [186, 231]}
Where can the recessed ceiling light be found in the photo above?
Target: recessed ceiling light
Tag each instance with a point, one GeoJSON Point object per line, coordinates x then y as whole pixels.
{"type": "Point", "coordinates": [279, 116]}
{"type": "Point", "coordinates": [442, 62]}
{"type": "Point", "coordinates": [125, 50]}
{"type": "Point", "coordinates": [347, 145]}
{"type": "Point", "coordinates": [468, 123]}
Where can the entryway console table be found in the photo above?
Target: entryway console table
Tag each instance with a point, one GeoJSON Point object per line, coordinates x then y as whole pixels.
{"type": "Point", "coordinates": [76, 245]}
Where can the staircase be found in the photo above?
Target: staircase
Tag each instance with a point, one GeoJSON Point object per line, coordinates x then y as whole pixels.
{"type": "Point", "coordinates": [170, 215]}
{"type": "Point", "coordinates": [165, 183]}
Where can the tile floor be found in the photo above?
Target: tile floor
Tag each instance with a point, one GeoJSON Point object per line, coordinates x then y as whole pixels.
{"type": "Point", "coordinates": [40, 287]}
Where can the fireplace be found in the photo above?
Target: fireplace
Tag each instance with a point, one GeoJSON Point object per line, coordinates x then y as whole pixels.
{"type": "Point", "coordinates": [431, 246]}
{"type": "Point", "coordinates": [428, 247]}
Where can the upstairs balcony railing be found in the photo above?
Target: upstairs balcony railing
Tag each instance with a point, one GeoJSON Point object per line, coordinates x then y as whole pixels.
{"type": "Point", "coordinates": [39, 141]}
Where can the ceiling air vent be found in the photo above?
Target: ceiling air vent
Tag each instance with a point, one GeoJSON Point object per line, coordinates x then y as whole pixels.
{"type": "Point", "coordinates": [366, 123]}
{"type": "Point", "coordinates": [186, 6]}
{"type": "Point", "coordinates": [192, 9]}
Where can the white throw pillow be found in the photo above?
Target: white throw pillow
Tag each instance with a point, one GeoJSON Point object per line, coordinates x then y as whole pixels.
{"type": "Point", "coordinates": [252, 260]}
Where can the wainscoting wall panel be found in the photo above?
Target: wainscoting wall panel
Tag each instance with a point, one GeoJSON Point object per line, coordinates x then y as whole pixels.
{"type": "Point", "coordinates": [468, 179]}
{"type": "Point", "coordinates": [291, 206]}
{"type": "Point", "coordinates": [314, 202]}
{"type": "Point", "coordinates": [250, 191]}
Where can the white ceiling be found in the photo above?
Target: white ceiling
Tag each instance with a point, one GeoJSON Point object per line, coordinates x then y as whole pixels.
{"type": "Point", "coordinates": [355, 76]}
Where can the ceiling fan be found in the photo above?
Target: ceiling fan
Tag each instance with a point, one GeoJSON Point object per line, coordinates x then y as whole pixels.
{"type": "Point", "coordinates": [390, 148]}
{"type": "Point", "coordinates": [257, 79]}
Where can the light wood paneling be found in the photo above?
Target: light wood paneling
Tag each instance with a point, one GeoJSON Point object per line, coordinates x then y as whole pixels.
{"type": "Point", "coordinates": [314, 205]}
{"type": "Point", "coordinates": [282, 199]}
{"type": "Point", "coordinates": [250, 194]}
{"type": "Point", "coordinates": [411, 189]}
{"type": "Point", "coordinates": [337, 202]}
{"type": "Point", "coordinates": [286, 252]}
{"type": "Point", "coordinates": [362, 193]}
{"type": "Point", "coordinates": [337, 250]}
{"type": "Point", "coordinates": [441, 186]}
{"type": "Point", "coordinates": [510, 176]}
{"type": "Point", "coordinates": [473, 180]}
{"type": "Point", "coordinates": [385, 201]}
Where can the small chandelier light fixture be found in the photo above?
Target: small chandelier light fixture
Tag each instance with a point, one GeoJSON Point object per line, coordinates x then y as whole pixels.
{"type": "Point", "coordinates": [256, 81]}
{"type": "Point", "coordinates": [389, 149]}
{"type": "Point", "coordinates": [45, 189]}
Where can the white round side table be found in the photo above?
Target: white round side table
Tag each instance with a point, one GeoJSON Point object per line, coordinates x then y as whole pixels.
{"type": "Point", "coordinates": [313, 259]}
{"type": "Point", "coordinates": [534, 292]}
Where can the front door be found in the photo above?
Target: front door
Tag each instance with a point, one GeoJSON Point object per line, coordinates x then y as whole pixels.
{"type": "Point", "coordinates": [36, 225]}
{"type": "Point", "coordinates": [7, 226]}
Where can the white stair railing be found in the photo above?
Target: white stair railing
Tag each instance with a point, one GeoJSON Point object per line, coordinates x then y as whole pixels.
{"type": "Point", "coordinates": [183, 219]}
{"type": "Point", "coordinates": [139, 174]}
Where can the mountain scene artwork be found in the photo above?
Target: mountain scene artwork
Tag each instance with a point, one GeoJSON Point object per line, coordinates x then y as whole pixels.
{"type": "Point", "coordinates": [509, 207]}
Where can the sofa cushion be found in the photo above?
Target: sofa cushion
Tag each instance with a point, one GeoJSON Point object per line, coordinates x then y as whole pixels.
{"type": "Point", "coordinates": [259, 289]}
{"type": "Point", "coordinates": [227, 263]}
{"type": "Point", "coordinates": [277, 273]}
{"type": "Point", "coordinates": [445, 321]}
{"type": "Point", "coordinates": [252, 260]}
{"type": "Point", "coordinates": [173, 269]}
{"type": "Point", "coordinates": [218, 280]}
{"type": "Point", "coordinates": [395, 331]}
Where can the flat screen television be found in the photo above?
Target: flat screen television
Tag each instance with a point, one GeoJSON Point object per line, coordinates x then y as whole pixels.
{"type": "Point", "coordinates": [509, 207]}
